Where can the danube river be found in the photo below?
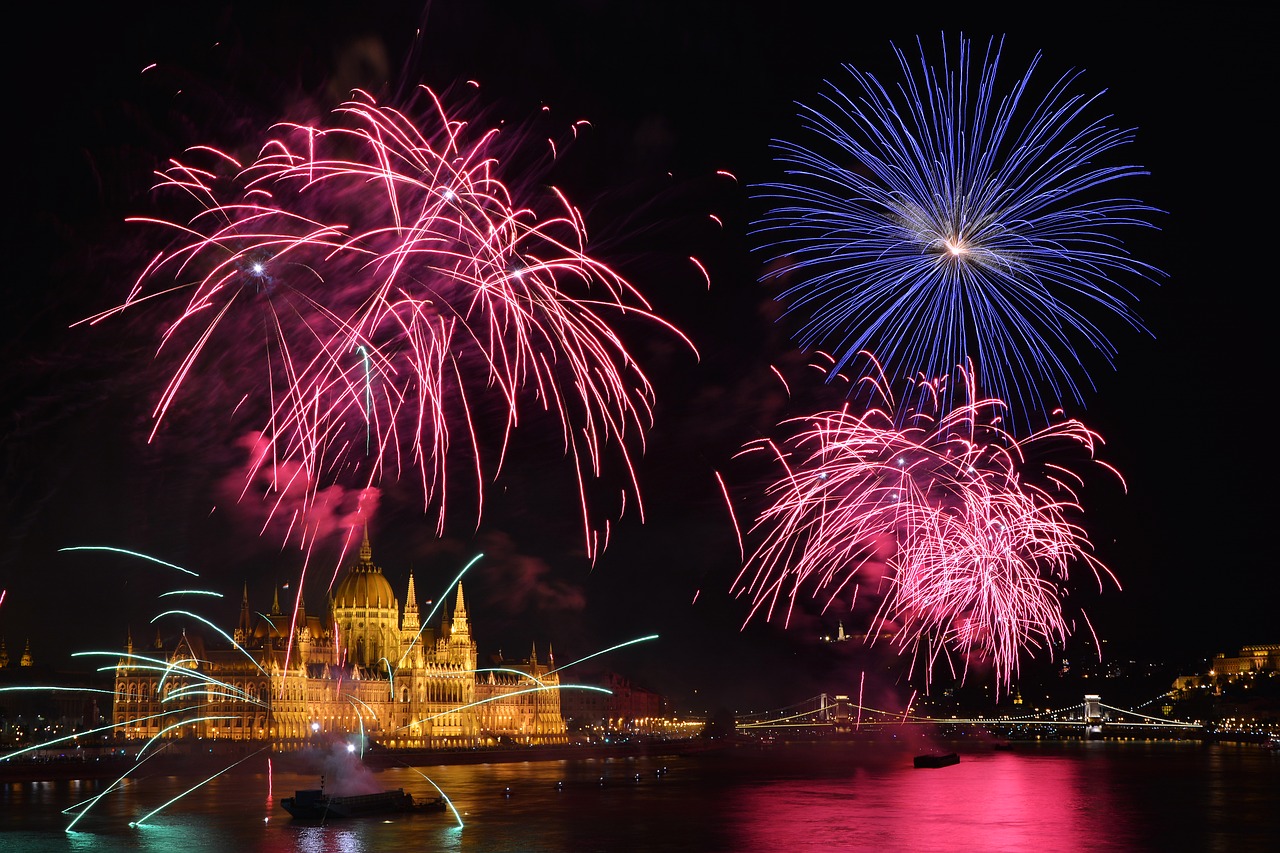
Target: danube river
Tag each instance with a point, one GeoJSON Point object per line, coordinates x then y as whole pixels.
{"type": "Point", "coordinates": [1044, 796]}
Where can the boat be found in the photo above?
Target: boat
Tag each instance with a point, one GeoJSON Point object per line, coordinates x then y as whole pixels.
{"type": "Point", "coordinates": [315, 804]}
{"type": "Point", "coordinates": [937, 760]}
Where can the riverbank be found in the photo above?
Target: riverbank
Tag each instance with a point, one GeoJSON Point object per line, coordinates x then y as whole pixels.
{"type": "Point", "coordinates": [191, 759]}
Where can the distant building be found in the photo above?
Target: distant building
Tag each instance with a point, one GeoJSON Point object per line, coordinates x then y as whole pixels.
{"type": "Point", "coordinates": [25, 661]}
{"type": "Point", "coordinates": [360, 668]}
{"type": "Point", "coordinates": [626, 707]}
{"type": "Point", "coordinates": [1250, 659]}
{"type": "Point", "coordinates": [38, 702]}
{"type": "Point", "coordinates": [1224, 670]}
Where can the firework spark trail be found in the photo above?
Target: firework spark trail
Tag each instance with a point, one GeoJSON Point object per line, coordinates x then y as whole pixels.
{"type": "Point", "coordinates": [862, 679]}
{"type": "Point", "coordinates": [974, 529]}
{"type": "Point", "coordinates": [410, 304]}
{"type": "Point", "coordinates": [203, 690]}
{"type": "Point", "coordinates": [623, 645]}
{"type": "Point", "coordinates": [200, 698]}
{"type": "Point", "coordinates": [439, 602]}
{"type": "Point", "coordinates": [142, 821]}
{"type": "Point", "coordinates": [83, 807]}
{"type": "Point", "coordinates": [948, 217]}
{"type": "Point", "coordinates": [443, 795]}
{"type": "Point", "coordinates": [130, 553]}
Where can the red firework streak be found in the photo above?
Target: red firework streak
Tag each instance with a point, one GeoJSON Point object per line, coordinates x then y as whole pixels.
{"type": "Point", "coordinates": [971, 531]}
{"type": "Point", "coordinates": [375, 290]}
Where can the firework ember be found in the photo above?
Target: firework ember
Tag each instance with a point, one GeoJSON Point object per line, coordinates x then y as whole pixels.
{"type": "Point", "coordinates": [383, 298]}
{"type": "Point", "coordinates": [947, 217]}
{"type": "Point", "coordinates": [963, 534]}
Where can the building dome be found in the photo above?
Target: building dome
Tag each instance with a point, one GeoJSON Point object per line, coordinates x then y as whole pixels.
{"type": "Point", "coordinates": [366, 614]}
{"type": "Point", "coordinates": [364, 586]}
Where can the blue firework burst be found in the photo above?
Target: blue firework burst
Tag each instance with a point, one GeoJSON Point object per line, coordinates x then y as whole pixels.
{"type": "Point", "coordinates": [942, 219]}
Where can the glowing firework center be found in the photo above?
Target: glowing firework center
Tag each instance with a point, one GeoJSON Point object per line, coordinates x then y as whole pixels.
{"type": "Point", "coordinates": [360, 671]}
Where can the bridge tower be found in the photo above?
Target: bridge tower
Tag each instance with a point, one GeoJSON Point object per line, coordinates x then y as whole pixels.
{"type": "Point", "coordinates": [841, 718]}
{"type": "Point", "coordinates": [1092, 714]}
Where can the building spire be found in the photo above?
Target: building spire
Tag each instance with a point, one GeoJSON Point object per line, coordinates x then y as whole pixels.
{"type": "Point", "coordinates": [125, 662]}
{"type": "Point", "coordinates": [410, 622]}
{"type": "Point", "coordinates": [366, 551]}
{"type": "Point", "coordinates": [245, 626]}
{"type": "Point", "coordinates": [459, 625]}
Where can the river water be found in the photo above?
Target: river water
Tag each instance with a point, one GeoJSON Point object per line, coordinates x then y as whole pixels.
{"type": "Point", "coordinates": [1046, 796]}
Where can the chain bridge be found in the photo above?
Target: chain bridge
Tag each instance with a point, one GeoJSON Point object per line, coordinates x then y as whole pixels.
{"type": "Point", "coordinates": [841, 713]}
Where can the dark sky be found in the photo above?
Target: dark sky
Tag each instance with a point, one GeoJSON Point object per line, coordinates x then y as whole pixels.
{"type": "Point", "coordinates": [674, 92]}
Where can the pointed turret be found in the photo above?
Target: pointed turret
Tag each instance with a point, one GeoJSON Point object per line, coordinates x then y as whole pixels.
{"type": "Point", "coordinates": [300, 627]}
{"type": "Point", "coordinates": [366, 551]}
{"type": "Point", "coordinates": [460, 613]}
{"type": "Point", "coordinates": [461, 648]}
{"type": "Point", "coordinates": [411, 598]}
{"type": "Point", "coordinates": [4, 655]}
{"type": "Point", "coordinates": [245, 628]}
{"type": "Point", "coordinates": [25, 660]}
{"type": "Point", "coordinates": [533, 656]}
{"type": "Point", "coordinates": [125, 662]}
{"type": "Point", "coordinates": [410, 621]}
{"type": "Point", "coordinates": [275, 603]}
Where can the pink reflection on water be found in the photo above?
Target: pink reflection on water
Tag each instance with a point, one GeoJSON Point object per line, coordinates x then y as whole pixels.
{"type": "Point", "coordinates": [988, 802]}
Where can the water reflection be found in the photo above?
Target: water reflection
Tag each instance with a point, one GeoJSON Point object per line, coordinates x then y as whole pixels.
{"type": "Point", "coordinates": [991, 802]}
{"type": "Point", "coordinates": [1049, 798]}
{"type": "Point", "coordinates": [326, 839]}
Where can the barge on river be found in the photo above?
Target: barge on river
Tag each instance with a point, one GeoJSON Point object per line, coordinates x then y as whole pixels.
{"type": "Point", "coordinates": [315, 804]}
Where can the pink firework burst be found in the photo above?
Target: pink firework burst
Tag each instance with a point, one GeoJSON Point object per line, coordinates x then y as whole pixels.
{"type": "Point", "coordinates": [963, 534]}
{"type": "Point", "coordinates": [375, 289]}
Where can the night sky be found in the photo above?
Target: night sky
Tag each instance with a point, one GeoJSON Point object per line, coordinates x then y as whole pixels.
{"type": "Point", "coordinates": [674, 92]}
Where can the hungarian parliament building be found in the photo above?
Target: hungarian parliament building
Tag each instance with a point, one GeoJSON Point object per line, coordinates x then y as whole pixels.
{"type": "Point", "coordinates": [362, 669]}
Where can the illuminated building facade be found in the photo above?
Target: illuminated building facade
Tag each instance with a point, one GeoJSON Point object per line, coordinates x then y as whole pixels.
{"type": "Point", "coordinates": [618, 706]}
{"type": "Point", "coordinates": [362, 669]}
{"type": "Point", "coordinates": [1250, 659]}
